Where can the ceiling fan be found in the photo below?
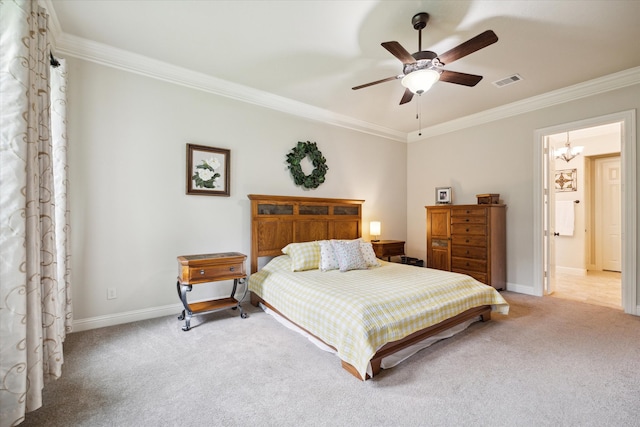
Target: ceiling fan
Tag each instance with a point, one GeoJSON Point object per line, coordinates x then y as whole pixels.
{"type": "Point", "coordinates": [423, 68]}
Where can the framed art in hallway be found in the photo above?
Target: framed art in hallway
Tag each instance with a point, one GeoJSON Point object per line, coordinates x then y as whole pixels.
{"type": "Point", "coordinates": [208, 171]}
{"type": "Point", "coordinates": [566, 180]}
{"type": "Point", "coordinates": [443, 195]}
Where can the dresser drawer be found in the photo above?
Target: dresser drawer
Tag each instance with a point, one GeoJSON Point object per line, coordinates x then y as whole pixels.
{"type": "Point", "coordinates": [468, 264]}
{"type": "Point", "coordinates": [475, 252]}
{"type": "Point", "coordinates": [466, 229]}
{"type": "Point", "coordinates": [212, 273]}
{"type": "Point", "coordinates": [468, 211]}
{"type": "Point", "coordinates": [469, 240]}
{"type": "Point", "coordinates": [469, 219]}
{"type": "Point", "coordinates": [480, 277]}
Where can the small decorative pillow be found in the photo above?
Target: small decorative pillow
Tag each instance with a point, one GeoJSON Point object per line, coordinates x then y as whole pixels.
{"type": "Point", "coordinates": [304, 256]}
{"type": "Point", "coordinates": [328, 260]}
{"type": "Point", "coordinates": [369, 255]}
{"type": "Point", "coordinates": [349, 255]}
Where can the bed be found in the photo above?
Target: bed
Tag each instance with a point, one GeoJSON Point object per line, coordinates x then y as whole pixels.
{"type": "Point", "coordinates": [366, 313]}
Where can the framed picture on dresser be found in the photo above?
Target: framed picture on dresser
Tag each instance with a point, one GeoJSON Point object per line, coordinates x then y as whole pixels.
{"type": "Point", "coordinates": [443, 195]}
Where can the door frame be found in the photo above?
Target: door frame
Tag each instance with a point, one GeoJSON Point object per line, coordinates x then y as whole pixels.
{"type": "Point", "coordinates": [629, 208]}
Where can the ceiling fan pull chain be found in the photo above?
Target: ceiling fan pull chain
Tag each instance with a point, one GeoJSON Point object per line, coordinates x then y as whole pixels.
{"type": "Point", "coordinates": [419, 114]}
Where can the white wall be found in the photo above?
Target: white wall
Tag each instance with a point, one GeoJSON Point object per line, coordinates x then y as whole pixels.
{"type": "Point", "coordinates": [497, 157]}
{"type": "Point", "coordinates": [130, 215]}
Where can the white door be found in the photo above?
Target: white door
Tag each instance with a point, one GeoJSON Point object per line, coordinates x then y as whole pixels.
{"type": "Point", "coordinates": [549, 285]}
{"type": "Point", "coordinates": [609, 215]}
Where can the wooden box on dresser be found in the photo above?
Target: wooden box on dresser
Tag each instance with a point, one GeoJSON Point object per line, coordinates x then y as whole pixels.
{"type": "Point", "coordinates": [468, 239]}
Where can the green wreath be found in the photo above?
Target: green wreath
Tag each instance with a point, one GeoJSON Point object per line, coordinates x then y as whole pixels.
{"type": "Point", "coordinates": [297, 154]}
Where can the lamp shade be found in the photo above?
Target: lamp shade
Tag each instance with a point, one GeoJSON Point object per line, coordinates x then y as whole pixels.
{"type": "Point", "coordinates": [420, 81]}
{"type": "Point", "coordinates": [374, 228]}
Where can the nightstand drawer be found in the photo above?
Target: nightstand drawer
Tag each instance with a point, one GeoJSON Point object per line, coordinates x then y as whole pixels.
{"type": "Point", "coordinates": [218, 272]}
{"type": "Point", "coordinates": [388, 248]}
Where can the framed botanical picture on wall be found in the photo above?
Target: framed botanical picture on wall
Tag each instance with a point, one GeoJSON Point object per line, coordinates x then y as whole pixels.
{"type": "Point", "coordinates": [443, 195]}
{"type": "Point", "coordinates": [208, 171]}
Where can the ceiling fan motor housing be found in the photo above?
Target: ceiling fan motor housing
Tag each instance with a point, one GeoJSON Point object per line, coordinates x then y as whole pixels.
{"type": "Point", "coordinates": [419, 20]}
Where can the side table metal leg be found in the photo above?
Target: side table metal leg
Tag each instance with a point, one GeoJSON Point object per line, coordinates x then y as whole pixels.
{"type": "Point", "coordinates": [242, 281]}
{"type": "Point", "coordinates": [180, 316]}
{"type": "Point", "coordinates": [186, 313]}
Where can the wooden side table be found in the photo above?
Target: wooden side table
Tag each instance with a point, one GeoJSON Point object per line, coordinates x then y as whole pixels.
{"type": "Point", "coordinates": [207, 268]}
{"type": "Point", "coordinates": [388, 248]}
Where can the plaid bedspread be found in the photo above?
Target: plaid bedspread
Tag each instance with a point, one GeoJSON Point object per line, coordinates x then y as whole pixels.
{"type": "Point", "coordinates": [359, 311]}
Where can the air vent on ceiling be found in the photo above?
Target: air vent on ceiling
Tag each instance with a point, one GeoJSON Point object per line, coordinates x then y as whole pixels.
{"type": "Point", "coordinates": [508, 80]}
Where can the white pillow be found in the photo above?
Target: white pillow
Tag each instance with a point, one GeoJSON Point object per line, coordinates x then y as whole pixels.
{"type": "Point", "coordinates": [349, 255]}
{"type": "Point", "coordinates": [368, 254]}
{"type": "Point", "coordinates": [304, 256]}
{"type": "Point", "coordinates": [328, 260]}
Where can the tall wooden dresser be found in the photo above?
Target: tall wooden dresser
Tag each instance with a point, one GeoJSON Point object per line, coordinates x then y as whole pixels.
{"type": "Point", "coordinates": [468, 239]}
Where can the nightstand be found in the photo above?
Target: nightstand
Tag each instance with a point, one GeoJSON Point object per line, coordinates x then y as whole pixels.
{"type": "Point", "coordinates": [388, 248]}
{"type": "Point", "coordinates": [207, 268]}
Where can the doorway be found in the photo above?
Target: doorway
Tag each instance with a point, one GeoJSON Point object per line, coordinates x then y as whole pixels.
{"type": "Point", "coordinates": [544, 205]}
{"type": "Point", "coordinates": [586, 232]}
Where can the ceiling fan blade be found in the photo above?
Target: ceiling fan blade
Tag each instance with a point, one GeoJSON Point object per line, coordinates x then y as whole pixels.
{"type": "Point", "coordinates": [478, 42]}
{"type": "Point", "coordinates": [460, 78]}
{"type": "Point", "coordinates": [399, 52]}
{"type": "Point", "coordinates": [408, 96]}
{"type": "Point", "coordinates": [388, 79]}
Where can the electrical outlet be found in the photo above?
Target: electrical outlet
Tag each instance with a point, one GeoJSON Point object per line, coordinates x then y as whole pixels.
{"type": "Point", "coordinates": [111, 293]}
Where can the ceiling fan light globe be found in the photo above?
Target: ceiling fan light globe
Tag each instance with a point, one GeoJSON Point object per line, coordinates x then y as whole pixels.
{"type": "Point", "coordinates": [420, 81]}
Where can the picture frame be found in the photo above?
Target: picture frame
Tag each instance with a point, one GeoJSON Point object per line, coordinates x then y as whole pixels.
{"type": "Point", "coordinates": [443, 195]}
{"type": "Point", "coordinates": [208, 170]}
{"type": "Point", "coordinates": [566, 180]}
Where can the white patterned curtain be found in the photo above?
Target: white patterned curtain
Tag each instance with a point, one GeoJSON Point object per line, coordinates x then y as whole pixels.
{"type": "Point", "coordinates": [35, 298]}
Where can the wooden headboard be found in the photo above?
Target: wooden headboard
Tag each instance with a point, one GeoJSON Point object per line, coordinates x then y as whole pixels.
{"type": "Point", "coordinates": [277, 221]}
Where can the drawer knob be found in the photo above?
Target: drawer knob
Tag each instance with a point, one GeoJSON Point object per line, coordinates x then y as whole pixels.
{"type": "Point", "coordinates": [467, 230]}
{"type": "Point", "coordinates": [467, 219]}
{"type": "Point", "coordinates": [467, 241]}
{"type": "Point", "coordinates": [232, 269]}
{"type": "Point", "coordinates": [202, 272]}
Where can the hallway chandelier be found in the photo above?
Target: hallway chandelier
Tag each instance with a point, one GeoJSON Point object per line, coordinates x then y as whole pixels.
{"type": "Point", "coordinates": [567, 153]}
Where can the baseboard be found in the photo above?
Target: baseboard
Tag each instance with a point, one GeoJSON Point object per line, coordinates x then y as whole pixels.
{"type": "Point", "coordinates": [521, 289]}
{"type": "Point", "coordinates": [125, 317]}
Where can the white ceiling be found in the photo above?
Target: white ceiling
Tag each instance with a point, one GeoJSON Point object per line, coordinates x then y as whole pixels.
{"type": "Point", "coordinates": [313, 52]}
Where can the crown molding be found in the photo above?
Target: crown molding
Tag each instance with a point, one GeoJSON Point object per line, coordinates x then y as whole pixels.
{"type": "Point", "coordinates": [614, 81]}
{"type": "Point", "coordinates": [124, 60]}
{"type": "Point", "coordinates": [66, 44]}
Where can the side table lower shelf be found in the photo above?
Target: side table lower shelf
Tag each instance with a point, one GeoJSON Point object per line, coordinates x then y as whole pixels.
{"type": "Point", "coordinates": [200, 307]}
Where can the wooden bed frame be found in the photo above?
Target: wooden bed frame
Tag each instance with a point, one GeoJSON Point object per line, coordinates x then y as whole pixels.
{"type": "Point", "coordinates": [277, 221]}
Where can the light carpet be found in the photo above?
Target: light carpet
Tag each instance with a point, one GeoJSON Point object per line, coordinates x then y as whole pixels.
{"type": "Point", "coordinates": [549, 362]}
